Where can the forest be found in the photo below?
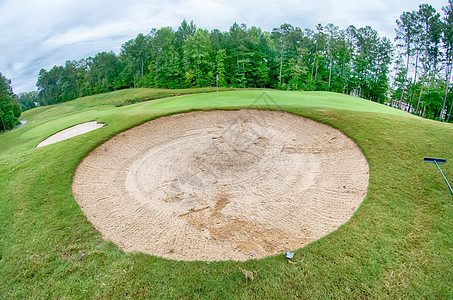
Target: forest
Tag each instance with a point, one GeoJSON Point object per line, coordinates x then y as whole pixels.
{"type": "Point", "coordinates": [415, 70]}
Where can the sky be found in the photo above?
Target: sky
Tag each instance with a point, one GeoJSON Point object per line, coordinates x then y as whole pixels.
{"type": "Point", "coordinates": [38, 34]}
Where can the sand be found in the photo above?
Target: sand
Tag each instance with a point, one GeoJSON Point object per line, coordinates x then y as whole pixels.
{"type": "Point", "coordinates": [71, 132]}
{"type": "Point", "coordinates": [222, 185]}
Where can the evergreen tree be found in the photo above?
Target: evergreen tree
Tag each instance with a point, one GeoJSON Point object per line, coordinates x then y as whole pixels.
{"type": "Point", "coordinates": [198, 59]}
{"type": "Point", "coordinates": [9, 109]}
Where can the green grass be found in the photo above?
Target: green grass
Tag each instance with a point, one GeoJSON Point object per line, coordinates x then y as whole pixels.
{"type": "Point", "coordinates": [398, 244]}
{"type": "Point", "coordinates": [131, 96]}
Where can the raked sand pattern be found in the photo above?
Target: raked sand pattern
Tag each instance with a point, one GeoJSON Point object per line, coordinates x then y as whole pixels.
{"type": "Point", "coordinates": [220, 185]}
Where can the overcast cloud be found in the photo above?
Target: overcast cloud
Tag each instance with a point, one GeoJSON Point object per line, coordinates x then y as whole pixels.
{"type": "Point", "coordinates": [39, 34]}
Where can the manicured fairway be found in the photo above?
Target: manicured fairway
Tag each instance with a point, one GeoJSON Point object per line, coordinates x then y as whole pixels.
{"type": "Point", "coordinates": [398, 244]}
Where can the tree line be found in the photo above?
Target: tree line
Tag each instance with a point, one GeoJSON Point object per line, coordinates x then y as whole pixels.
{"type": "Point", "coordinates": [352, 61]}
{"type": "Point", "coordinates": [355, 61]}
{"type": "Point", "coordinates": [424, 59]}
{"type": "Point", "coordinates": [9, 108]}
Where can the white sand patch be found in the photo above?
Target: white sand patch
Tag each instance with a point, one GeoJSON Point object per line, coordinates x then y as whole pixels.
{"type": "Point", "coordinates": [71, 132]}
{"type": "Point", "coordinates": [222, 185]}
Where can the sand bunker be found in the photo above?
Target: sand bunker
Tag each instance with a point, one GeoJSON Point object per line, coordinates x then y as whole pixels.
{"type": "Point", "coordinates": [222, 185]}
{"type": "Point", "coordinates": [71, 132]}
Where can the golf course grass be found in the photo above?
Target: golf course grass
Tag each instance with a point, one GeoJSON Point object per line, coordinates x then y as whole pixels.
{"type": "Point", "coordinates": [398, 244]}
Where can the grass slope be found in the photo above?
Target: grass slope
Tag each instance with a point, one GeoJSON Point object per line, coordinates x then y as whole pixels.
{"type": "Point", "coordinates": [397, 245]}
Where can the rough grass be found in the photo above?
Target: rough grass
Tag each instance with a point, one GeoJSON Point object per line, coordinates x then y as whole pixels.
{"type": "Point", "coordinates": [398, 244]}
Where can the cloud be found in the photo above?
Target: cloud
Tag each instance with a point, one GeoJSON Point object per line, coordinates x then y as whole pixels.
{"type": "Point", "coordinates": [41, 34]}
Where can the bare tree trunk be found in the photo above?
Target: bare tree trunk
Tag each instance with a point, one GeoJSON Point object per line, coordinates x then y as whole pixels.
{"type": "Point", "coordinates": [79, 90]}
{"type": "Point", "coordinates": [344, 61]}
{"type": "Point", "coordinates": [243, 71]}
{"type": "Point", "coordinates": [330, 69]}
{"type": "Point", "coordinates": [420, 97]}
{"type": "Point", "coordinates": [316, 71]}
{"type": "Point", "coordinates": [99, 82]}
{"type": "Point", "coordinates": [281, 61]}
{"type": "Point", "coordinates": [416, 67]}
{"type": "Point", "coordinates": [405, 79]}
{"type": "Point", "coordinates": [142, 67]}
{"type": "Point", "coordinates": [449, 114]}
{"type": "Point", "coordinates": [448, 71]}
{"type": "Point", "coordinates": [314, 61]}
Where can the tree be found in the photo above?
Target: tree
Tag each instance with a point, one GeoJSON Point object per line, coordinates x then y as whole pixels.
{"type": "Point", "coordinates": [400, 78]}
{"type": "Point", "coordinates": [342, 66]}
{"type": "Point", "coordinates": [182, 34]}
{"type": "Point", "coordinates": [27, 100]}
{"type": "Point", "coordinates": [371, 63]}
{"type": "Point", "coordinates": [220, 67]}
{"type": "Point", "coordinates": [406, 36]}
{"type": "Point", "coordinates": [135, 54]}
{"type": "Point", "coordinates": [429, 36]}
{"type": "Point", "coordinates": [104, 70]}
{"type": "Point", "coordinates": [447, 38]}
{"type": "Point", "coordinates": [319, 38]}
{"type": "Point", "coordinates": [9, 109]}
{"type": "Point", "coordinates": [165, 62]}
{"type": "Point", "coordinates": [50, 85]}
{"type": "Point", "coordinates": [331, 48]}
{"type": "Point", "coordinates": [240, 47]}
{"type": "Point", "coordinates": [198, 59]}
